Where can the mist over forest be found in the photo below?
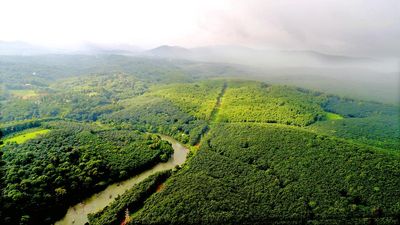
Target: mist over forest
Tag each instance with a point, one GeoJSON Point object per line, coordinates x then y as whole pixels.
{"type": "Point", "coordinates": [360, 77]}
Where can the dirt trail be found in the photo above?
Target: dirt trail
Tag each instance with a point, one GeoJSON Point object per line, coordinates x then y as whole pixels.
{"type": "Point", "coordinates": [214, 112]}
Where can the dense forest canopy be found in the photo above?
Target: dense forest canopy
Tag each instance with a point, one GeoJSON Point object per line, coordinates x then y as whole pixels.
{"type": "Point", "coordinates": [46, 174]}
{"type": "Point", "coordinates": [252, 173]}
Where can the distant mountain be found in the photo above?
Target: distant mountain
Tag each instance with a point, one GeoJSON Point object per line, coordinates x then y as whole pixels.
{"type": "Point", "coordinates": [215, 54]}
{"type": "Point", "coordinates": [166, 51]}
{"type": "Point", "coordinates": [208, 53]}
{"type": "Point", "coordinates": [266, 58]}
{"type": "Point", "coordinates": [244, 55]}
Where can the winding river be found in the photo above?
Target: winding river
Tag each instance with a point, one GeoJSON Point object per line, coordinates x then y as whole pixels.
{"type": "Point", "coordinates": [77, 214]}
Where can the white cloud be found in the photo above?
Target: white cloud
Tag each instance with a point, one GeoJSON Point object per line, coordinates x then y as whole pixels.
{"type": "Point", "coordinates": [343, 26]}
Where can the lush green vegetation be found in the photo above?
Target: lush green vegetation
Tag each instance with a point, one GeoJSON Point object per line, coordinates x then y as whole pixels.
{"type": "Point", "coordinates": [23, 93]}
{"type": "Point", "coordinates": [2, 215]}
{"type": "Point", "coordinates": [246, 170]}
{"type": "Point", "coordinates": [43, 176]}
{"type": "Point", "coordinates": [366, 122]}
{"type": "Point", "coordinates": [197, 99]}
{"type": "Point", "coordinates": [80, 98]}
{"type": "Point", "coordinates": [157, 115]}
{"type": "Point", "coordinates": [114, 87]}
{"type": "Point", "coordinates": [251, 174]}
{"type": "Point", "coordinates": [260, 102]}
{"type": "Point", "coordinates": [380, 131]}
{"type": "Point", "coordinates": [130, 201]}
{"type": "Point", "coordinates": [40, 71]}
{"type": "Point", "coordinates": [333, 116]}
{"type": "Point", "coordinates": [354, 108]}
{"type": "Point", "coordinates": [16, 126]}
{"type": "Point", "coordinates": [25, 135]}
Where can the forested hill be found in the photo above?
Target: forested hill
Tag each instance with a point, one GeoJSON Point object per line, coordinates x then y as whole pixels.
{"type": "Point", "coordinates": [260, 152]}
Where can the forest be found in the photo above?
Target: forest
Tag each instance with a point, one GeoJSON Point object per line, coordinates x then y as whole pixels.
{"type": "Point", "coordinates": [43, 176]}
{"type": "Point", "coordinates": [196, 99]}
{"type": "Point", "coordinates": [154, 114]}
{"type": "Point", "coordinates": [259, 152]}
{"type": "Point", "coordinates": [249, 174]}
{"type": "Point", "coordinates": [260, 102]}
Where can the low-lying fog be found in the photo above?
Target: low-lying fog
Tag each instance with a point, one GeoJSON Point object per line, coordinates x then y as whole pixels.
{"type": "Point", "coordinates": [358, 77]}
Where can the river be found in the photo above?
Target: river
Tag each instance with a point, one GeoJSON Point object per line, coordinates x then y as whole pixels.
{"type": "Point", "coordinates": [77, 214]}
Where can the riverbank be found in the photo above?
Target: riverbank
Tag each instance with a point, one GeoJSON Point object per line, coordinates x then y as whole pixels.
{"type": "Point", "coordinates": [77, 214]}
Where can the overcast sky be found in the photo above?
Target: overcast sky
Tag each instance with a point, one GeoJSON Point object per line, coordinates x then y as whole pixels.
{"type": "Point", "coordinates": [354, 27]}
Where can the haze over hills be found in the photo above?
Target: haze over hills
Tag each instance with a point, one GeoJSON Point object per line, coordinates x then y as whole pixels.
{"type": "Point", "coordinates": [22, 48]}
{"type": "Point", "coordinates": [361, 77]}
{"type": "Point", "coordinates": [219, 54]}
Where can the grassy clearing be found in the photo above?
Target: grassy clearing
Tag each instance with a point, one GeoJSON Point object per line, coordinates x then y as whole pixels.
{"type": "Point", "coordinates": [24, 94]}
{"type": "Point", "coordinates": [26, 135]}
{"type": "Point", "coordinates": [333, 116]}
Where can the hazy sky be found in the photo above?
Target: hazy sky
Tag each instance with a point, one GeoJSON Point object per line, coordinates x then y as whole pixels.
{"type": "Point", "coordinates": [357, 27]}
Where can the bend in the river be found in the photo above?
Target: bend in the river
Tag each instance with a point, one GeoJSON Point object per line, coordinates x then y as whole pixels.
{"type": "Point", "coordinates": [77, 214]}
